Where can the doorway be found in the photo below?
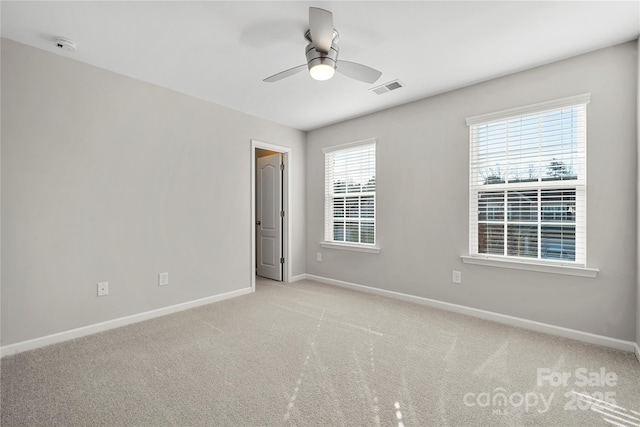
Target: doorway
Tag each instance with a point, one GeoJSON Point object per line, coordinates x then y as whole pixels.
{"type": "Point", "coordinates": [269, 214]}
{"type": "Point", "coordinates": [270, 211]}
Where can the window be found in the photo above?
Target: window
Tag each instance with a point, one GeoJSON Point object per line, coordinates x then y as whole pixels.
{"type": "Point", "coordinates": [528, 183]}
{"type": "Point", "coordinates": [350, 194]}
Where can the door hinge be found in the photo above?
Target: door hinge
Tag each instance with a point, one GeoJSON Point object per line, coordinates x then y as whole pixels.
{"type": "Point", "coordinates": [282, 214]}
{"type": "Point", "coordinates": [281, 166]}
{"type": "Point", "coordinates": [281, 260]}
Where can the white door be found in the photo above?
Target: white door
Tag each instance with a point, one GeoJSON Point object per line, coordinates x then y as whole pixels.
{"type": "Point", "coordinates": [269, 217]}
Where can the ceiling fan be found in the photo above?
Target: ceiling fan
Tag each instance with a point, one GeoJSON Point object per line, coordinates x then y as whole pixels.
{"type": "Point", "coordinates": [322, 53]}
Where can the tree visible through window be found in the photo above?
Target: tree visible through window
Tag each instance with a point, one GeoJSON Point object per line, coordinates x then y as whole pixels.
{"type": "Point", "coordinates": [350, 193]}
{"type": "Point", "coordinates": [527, 184]}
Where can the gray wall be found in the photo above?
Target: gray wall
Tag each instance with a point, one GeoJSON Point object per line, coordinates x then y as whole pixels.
{"type": "Point", "coordinates": [423, 192]}
{"type": "Point", "coordinates": [638, 216]}
{"type": "Point", "coordinates": [106, 178]}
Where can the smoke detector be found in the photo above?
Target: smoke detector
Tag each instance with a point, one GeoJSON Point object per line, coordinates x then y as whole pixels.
{"type": "Point", "coordinates": [66, 44]}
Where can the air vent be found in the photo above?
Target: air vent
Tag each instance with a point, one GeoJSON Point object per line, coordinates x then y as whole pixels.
{"type": "Point", "coordinates": [387, 87]}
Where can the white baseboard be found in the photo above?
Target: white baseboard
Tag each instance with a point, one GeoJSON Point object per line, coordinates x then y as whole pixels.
{"type": "Point", "coordinates": [489, 315]}
{"type": "Point", "coordinates": [298, 278]}
{"type": "Point", "coordinates": [115, 323]}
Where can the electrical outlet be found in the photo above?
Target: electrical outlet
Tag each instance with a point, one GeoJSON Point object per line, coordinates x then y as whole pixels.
{"type": "Point", "coordinates": [163, 279]}
{"type": "Point", "coordinates": [103, 289]}
{"type": "Point", "coordinates": [319, 256]}
{"type": "Point", "coordinates": [457, 277]}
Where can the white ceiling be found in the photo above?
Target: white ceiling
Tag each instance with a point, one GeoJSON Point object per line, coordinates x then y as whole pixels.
{"type": "Point", "coordinates": [221, 51]}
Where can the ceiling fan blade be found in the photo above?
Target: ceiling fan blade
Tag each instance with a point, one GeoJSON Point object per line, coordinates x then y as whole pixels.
{"type": "Point", "coordinates": [321, 28]}
{"type": "Point", "coordinates": [286, 73]}
{"type": "Point", "coordinates": [358, 71]}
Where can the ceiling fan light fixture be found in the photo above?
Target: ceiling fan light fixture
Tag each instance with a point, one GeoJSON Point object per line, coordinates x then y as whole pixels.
{"type": "Point", "coordinates": [322, 66]}
{"type": "Point", "coordinates": [322, 71]}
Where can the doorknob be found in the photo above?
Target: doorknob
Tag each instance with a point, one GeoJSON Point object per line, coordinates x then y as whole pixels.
{"type": "Point", "coordinates": [258, 222]}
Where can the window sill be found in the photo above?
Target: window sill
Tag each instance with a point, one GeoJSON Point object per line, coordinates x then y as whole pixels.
{"type": "Point", "coordinates": [348, 247]}
{"type": "Point", "coordinates": [531, 266]}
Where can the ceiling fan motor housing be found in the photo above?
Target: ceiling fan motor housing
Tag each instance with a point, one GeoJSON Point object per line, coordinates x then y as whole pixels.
{"type": "Point", "coordinates": [315, 58]}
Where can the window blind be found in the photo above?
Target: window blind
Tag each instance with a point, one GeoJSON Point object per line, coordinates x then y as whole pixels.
{"type": "Point", "coordinates": [528, 184]}
{"type": "Point", "coordinates": [350, 193]}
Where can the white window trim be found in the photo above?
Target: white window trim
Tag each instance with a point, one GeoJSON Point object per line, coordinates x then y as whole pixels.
{"type": "Point", "coordinates": [355, 247]}
{"type": "Point", "coordinates": [521, 264]}
{"type": "Point", "coordinates": [368, 141]}
{"type": "Point", "coordinates": [372, 249]}
{"type": "Point", "coordinates": [559, 267]}
{"type": "Point", "coordinates": [585, 98]}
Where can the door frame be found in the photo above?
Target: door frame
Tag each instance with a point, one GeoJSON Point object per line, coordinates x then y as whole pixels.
{"type": "Point", "coordinates": [286, 226]}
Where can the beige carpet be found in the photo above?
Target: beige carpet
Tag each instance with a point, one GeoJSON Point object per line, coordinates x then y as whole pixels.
{"type": "Point", "coordinates": [311, 354]}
